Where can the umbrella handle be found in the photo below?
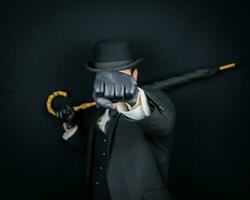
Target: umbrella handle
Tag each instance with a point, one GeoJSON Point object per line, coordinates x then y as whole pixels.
{"type": "Point", "coordinates": [55, 94]}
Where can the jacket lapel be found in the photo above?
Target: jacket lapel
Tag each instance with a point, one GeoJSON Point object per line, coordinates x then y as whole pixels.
{"type": "Point", "coordinates": [111, 133]}
{"type": "Point", "coordinates": [97, 113]}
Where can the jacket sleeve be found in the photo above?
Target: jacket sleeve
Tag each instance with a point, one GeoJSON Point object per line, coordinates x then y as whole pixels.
{"type": "Point", "coordinates": [161, 121]}
{"type": "Point", "coordinates": [76, 140]}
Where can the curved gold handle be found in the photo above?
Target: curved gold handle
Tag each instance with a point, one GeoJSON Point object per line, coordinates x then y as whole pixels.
{"type": "Point", "coordinates": [65, 94]}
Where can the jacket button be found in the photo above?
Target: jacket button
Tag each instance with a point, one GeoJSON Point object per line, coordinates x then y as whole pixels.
{"type": "Point", "coordinates": [161, 108]}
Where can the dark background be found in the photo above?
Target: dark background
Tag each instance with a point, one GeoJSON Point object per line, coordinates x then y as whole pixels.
{"type": "Point", "coordinates": [42, 46]}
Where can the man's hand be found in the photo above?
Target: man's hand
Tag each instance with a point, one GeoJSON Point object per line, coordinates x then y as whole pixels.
{"type": "Point", "coordinates": [113, 86]}
{"type": "Point", "coordinates": [67, 115]}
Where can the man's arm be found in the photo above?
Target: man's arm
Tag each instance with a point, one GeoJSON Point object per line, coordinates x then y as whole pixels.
{"type": "Point", "coordinates": [74, 137]}
{"type": "Point", "coordinates": [155, 115]}
{"type": "Point", "coordinates": [161, 121]}
{"type": "Point", "coordinates": [113, 86]}
{"type": "Point", "coordinates": [72, 133]}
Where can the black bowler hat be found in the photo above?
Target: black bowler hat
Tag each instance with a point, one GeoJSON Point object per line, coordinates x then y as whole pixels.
{"type": "Point", "coordinates": [111, 54]}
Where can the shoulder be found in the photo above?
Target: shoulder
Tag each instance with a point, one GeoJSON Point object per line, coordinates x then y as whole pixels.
{"type": "Point", "coordinates": [160, 99]}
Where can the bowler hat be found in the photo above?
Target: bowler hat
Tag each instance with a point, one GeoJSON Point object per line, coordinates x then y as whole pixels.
{"type": "Point", "coordinates": [111, 54]}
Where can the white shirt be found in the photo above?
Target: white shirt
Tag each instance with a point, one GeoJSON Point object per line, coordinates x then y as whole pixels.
{"type": "Point", "coordinates": [137, 112]}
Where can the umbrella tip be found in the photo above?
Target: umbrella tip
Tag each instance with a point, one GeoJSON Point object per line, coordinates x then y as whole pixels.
{"type": "Point", "coordinates": [228, 66]}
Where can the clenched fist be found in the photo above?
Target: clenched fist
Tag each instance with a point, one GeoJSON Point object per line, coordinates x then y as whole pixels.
{"type": "Point", "coordinates": [114, 86]}
{"type": "Point", "coordinates": [67, 115]}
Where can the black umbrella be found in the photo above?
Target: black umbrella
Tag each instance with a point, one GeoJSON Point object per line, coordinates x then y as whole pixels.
{"type": "Point", "coordinates": [165, 84]}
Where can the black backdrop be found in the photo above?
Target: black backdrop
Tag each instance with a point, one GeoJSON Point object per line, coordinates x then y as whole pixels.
{"type": "Point", "coordinates": [42, 46]}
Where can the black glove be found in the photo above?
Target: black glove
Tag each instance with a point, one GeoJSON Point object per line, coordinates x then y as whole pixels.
{"type": "Point", "coordinates": [114, 86]}
{"type": "Point", "coordinates": [67, 115]}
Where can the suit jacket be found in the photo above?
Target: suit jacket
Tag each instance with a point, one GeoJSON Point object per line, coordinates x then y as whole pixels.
{"type": "Point", "coordinates": [139, 150]}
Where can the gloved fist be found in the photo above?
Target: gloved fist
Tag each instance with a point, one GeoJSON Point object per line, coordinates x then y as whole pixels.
{"type": "Point", "coordinates": [114, 86]}
{"type": "Point", "coordinates": [67, 115]}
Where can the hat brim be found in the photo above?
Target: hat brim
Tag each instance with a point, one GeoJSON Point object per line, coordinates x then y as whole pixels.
{"type": "Point", "coordinates": [91, 66]}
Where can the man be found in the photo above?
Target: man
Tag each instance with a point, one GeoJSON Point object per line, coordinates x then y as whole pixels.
{"type": "Point", "coordinates": [127, 142]}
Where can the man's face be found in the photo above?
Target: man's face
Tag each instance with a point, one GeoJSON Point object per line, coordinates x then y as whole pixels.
{"type": "Point", "coordinates": [128, 71]}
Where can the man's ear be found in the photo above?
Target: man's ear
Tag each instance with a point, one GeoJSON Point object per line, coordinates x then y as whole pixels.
{"type": "Point", "coordinates": [135, 74]}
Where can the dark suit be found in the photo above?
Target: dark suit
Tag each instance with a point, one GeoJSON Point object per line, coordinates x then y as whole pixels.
{"type": "Point", "coordinates": [139, 151]}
